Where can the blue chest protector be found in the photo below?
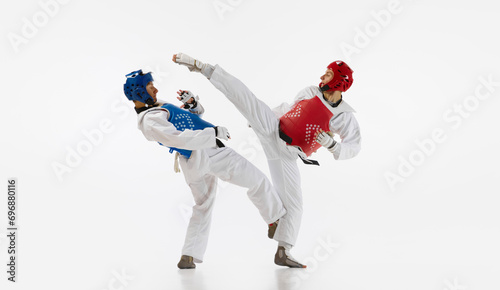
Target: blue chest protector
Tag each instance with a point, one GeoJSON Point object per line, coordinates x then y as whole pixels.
{"type": "Point", "coordinates": [184, 120]}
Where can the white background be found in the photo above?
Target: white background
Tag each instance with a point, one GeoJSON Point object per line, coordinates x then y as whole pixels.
{"type": "Point", "coordinates": [122, 208]}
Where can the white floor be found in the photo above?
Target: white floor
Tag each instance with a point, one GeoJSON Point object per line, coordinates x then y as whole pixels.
{"type": "Point", "coordinates": [100, 207]}
{"type": "Point", "coordinates": [135, 242]}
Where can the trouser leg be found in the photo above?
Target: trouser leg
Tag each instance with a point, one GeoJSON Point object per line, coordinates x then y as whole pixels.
{"type": "Point", "coordinates": [203, 188]}
{"type": "Point", "coordinates": [286, 179]}
{"type": "Point", "coordinates": [258, 114]}
{"type": "Point", "coordinates": [282, 163]}
{"type": "Point", "coordinates": [234, 168]}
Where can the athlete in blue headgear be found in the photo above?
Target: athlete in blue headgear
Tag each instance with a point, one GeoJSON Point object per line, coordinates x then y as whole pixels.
{"type": "Point", "coordinates": [203, 159]}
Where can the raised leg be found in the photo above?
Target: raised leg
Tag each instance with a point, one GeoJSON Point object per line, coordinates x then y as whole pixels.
{"type": "Point", "coordinates": [234, 168]}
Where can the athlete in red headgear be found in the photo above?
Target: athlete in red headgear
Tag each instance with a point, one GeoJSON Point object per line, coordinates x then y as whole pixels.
{"type": "Point", "coordinates": [286, 132]}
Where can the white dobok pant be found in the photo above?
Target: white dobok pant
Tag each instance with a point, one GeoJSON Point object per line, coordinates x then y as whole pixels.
{"type": "Point", "coordinates": [201, 171]}
{"type": "Point", "coordinates": [282, 161]}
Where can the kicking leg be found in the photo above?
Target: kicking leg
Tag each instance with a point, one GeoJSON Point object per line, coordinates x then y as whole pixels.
{"type": "Point", "coordinates": [234, 168]}
{"type": "Point", "coordinates": [259, 115]}
{"type": "Point", "coordinates": [282, 163]}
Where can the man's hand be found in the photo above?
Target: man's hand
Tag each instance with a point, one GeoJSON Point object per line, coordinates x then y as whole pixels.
{"type": "Point", "coordinates": [188, 99]}
{"type": "Point", "coordinates": [222, 132]}
{"type": "Point", "coordinates": [324, 139]}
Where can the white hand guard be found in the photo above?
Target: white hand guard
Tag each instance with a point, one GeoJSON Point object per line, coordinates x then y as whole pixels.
{"type": "Point", "coordinates": [186, 96]}
{"type": "Point", "coordinates": [222, 132]}
{"type": "Point", "coordinates": [326, 140]}
{"type": "Point", "coordinates": [191, 63]}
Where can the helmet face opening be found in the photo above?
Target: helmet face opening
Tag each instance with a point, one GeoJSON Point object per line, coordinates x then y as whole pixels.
{"type": "Point", "coordinates": [342, 77]}
{"type": "Point", "coordinates": [135, 87]}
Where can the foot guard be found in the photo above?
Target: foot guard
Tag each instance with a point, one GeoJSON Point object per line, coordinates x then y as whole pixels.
{"type": "Point", "coordinates": [191, 63]}
{"type": "Point", "coordinates": [282, 259]}
{"type": "Point", "coordinates": [272, 229]}
{"type": "Point", "coordinates": [186, 262]}
{"type": "Point", "coordinates": [194, 65]}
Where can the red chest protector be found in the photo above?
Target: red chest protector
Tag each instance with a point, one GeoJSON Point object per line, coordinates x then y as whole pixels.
{"type": "Point", "coordinates": [303, 121]}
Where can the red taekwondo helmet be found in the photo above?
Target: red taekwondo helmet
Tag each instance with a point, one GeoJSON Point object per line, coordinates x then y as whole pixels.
{"type": "Point", "coordinates": [342, 77]}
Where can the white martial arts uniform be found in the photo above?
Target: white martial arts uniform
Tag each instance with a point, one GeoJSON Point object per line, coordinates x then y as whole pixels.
{"type": "Point", "coordinates": [282, 159]}
{"type": "Point", "coordinates": [207, 163]}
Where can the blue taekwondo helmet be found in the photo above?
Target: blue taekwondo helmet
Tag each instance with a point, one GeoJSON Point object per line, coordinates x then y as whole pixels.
{"type": "Point", "coordinates": [135, 87]}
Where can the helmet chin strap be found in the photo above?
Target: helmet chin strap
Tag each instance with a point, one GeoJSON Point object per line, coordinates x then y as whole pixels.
{"type": "Point", "coordinates": [324, 88]}
{"type": "Point", "coordinates": [145, 108]}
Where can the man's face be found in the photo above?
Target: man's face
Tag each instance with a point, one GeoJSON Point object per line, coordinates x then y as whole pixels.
{"type": "Point", "coordinates": [150, 88]}
{"type": "Point", "coordinates": [327, 77]}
